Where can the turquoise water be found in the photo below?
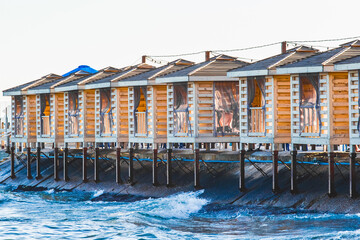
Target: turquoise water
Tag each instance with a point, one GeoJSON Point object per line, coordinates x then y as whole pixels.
{"type": "Point", "coordinates": [70, 215]}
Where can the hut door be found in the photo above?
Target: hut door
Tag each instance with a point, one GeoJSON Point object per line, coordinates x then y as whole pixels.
{"type": "Point", "coordinates": [19, 116]}
{"type": "Point", "coordinates": [181, 110]}
{"type": "Point", "coordinates": [74, 113]}
{"type": "Point", "coordinates": [105, 112]}
{"type": "Point", "coordinates": [226, 103]}
{"type": "Point", "coordinates": [45, 114]}
{"type": "Point", "coordinates": [140, 111]}
{"type": "Point", "coordinates": [309, 105]}
{"type": "Point", "coordinates": [256, 106]}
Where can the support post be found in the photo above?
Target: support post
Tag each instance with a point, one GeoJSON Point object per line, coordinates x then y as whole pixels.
{"type": "Point", "coordinates": [29, 163]}
{"type": "Point", "coordinates": [65, 163]}
{"type": "Point", "coordinates": [154, 168]}
{"type": "Point", "coordinates": [12, 163]}
{"type": "Point", "coordinates": [118, 167]}
{"type": "Point", "coordinates": [353, 193]}
{"type": "Point", "coordinates": [293, 184]}
{"type": "Point", "coordinates": [331, 177]}
{"type": "Point", "coordinates": [56, 164]}
{"type": "Point", "coordinates": [168, 168]}
{"type": "Point", "coordinates": [275, 177]}
{"type": "Point", "coordinates": [131, 165]}
{"type": "Point", "coordinates": [242, 171]}
{"type": "Point", "coordinates": [96, 165]}
{"type": "Point", "coordinates": [84, 165]}
{"type": "Point", "coordinates": [38, 158]}
{"type": "Point", "coordinates": [196, 168]}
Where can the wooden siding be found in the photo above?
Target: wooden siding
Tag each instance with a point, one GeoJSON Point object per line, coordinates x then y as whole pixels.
{"type": "Point", "coordinates": [30, 118]}
{"type": "Point", "coordinates": [282, 114]}
{"type": "Point", "coordinates": [122, 112]}
{"type": "Point", "coordinates": [87, 107]}
{"type": "Point", "coordinates": [205, 109]}
{"type": "Point", "coordinates": [160, 111]}
{"type": "Point", "coordinates": [57, 116]}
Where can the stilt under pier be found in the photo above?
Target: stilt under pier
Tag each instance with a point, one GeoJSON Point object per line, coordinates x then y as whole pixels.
{"type": "Point", "coordinates": [154, 168]}
{"type": "Point", "coordinates": [117, 165]}
{"type": "Point", "coordinates": [84, 165]}
{"type": "Point", "coordinates": [242, 171]}
{"type": "Point", "coordinates": [131, 166]}
{"type": "Point", "coordinates": [38, 158]}
{"type": "Point", "coordinates": [28, 165]}
{"type": "Point", "coordinates": [12, 163]}
{"type": "Point", "coordinates": [196, 168]}
{"type": "Point", "coordinates": [56, 163]}
{"type": "Point", "coordinates": [275, 176]}
{"type": "Point", "coordinates": [96, 165]}
{"type": "Point", "coordinates": [331, 177]}
{"type": "Point", "coordinates": [65, 163]}
{"type": "Point", "coordinates": [353, 193]}
{"type": "Point", "coordinates": [168, 168]}
{"type": "Point", "coordinates": [293, 183]}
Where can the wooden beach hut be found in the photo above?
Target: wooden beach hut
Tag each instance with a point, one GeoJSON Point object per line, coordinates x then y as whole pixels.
{"type": "Point", "coordinates": [203, 103]}
{"type": "Point", "coordinates": [320, 101]}
{"type": "Point", "coordinates": [265, 99]}
{"type": "Point", "coordinates": [148, 104]}
{"type": "Point", "coordinates": [111, 105]}
{"type": "Point", "coordinates": [23, 111]}
{"type": "Point", "coordinates": [79, 107]}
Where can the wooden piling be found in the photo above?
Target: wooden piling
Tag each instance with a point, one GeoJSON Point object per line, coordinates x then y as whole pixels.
{"type": "Point", "coordinates": [353, 193]}
{"type": "Point", "coordinates": [275, 177]}
{"type": "Point", "coordinates": [168, 168]}
{"type": "Point", "coordinates": [196, 168]}
{"type": "Point", "coordinates": [12, 163]}
{"type": "Point", "coordinates": [154, 168]}
{"type": "Point", "coordinates": [56, 164]}
{"type": "Point", "coordinates": [84, 165]}
{"type": "Point", "coordinates": [65, 164]}
{"type": "Point", "coordinates": [242, 171]}
{"type": "Point", "coordinates": [293, 183]}
{"type": "Point", "coordinates": [28, 165]}
{"type": "Point", "coordinates": [118, 166]}
{"type": "Point", "coordinates": [38, 158]}
{"type": "Point", "coordinates": [331, 177]}
{"type": "Point", "coordinates": [96, 165]}
{"type": "Point", "coordinates": [131, 165]}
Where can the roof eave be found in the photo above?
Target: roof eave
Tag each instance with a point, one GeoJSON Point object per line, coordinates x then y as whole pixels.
{"type": "Point", "coordinates": [171, 79]}
{"type": "Point", "coordinates": [131, 83]}
{"type": "Point", "coordinates": [350, 66]}
{"type": "Point", "coordinates": [97, 85]}
{"type": "Point", "coordinates": [250, 73]}
{"type": "Point", "coordinates": [38, 91]}
{"type": "Point", "coordinates": [293, 70]}
{"type": "Point", "coordinates": [12, 93]}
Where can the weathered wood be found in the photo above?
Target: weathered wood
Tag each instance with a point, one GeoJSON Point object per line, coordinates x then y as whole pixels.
{"type": "Point", "coordinates": [38, 166]}
{"type": "Point", "coordinates": [84, 165]}
{"type": "Point", "coordinates": [96, 165]}
{"type": "Point", "coordinates": [131, 166]}
{"type": "Point", "coordinates": [196, 169]}
{"type": "Point", "coordinates": [154, 168]}
{"type": "Point", "coordinates": [168, 168]}
{"type": "Point", "coordinates": [12, 161]}
{"type": "Point", "coordinates": [293, 184]}
{"type": "Point", "coordinates": [275, 177]}
{"type": "Point", "coordinates": [28, 165]}
{"type": "Point", "coordinates": [65, 164]}
{"type": "Point", "coordinates": [353, 193]}
{"type": "Point", "coordinates": [56, 164]}
{"type": "Point", "coordinates": [118, 165]}
{"type": "Point", "coordinates": [242, 171]}
{"type": "Point", "coordinates": [331, 175]}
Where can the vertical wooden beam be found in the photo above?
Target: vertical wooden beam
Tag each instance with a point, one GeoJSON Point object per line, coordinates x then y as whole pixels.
{"type": "Point", "coordinates": [84, 165]}
{"type": "Point", "coordinates": [131, 165]}
{"type": "Point", "coordinates": [353, 193]}
{"type": "Point", "coordinates": [118, 165]}
{"type": "Point", "coordinates": [331, 177]}
{"type": "Point", "coordinates": [275, 177]}
{"type": "Point", "coordinates": [38, 158]}
{"type": "Point", "coordinates": [12, 163]}
{"type": "Point", "coordinates": [65, 163]}
{"type": "Point", "coordinates": [196, 168]}
{"type": "Point", "coordinates": [242, 171]}
{"type": "Point", "coordinates": [293, 183]}
{"type": "Point", "coordinates": [96, 165]}
{"type": "Point", "coordinates": [168, 168]}
{"type": "Point", "coordinates": [154, 168]}
{"type": "Point", "coordinates": [28, 165]}
{"type": "Point", "coordinates": [56, 163]}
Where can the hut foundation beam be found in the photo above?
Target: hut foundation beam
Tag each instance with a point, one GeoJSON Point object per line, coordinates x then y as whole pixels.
{"type": "Point", "coordinates": [131, 165]}
{"type": "Point", "coordinates": [275, 177]}
{"type": "Point", "coordinates": [12, 163]}
{"type": "Point", "coordinates": [28, 165]}
{"type": "Point", "coordinates": [331, 173]}
{"type": "Point", "coordinates": [168, 168]}
{"type": "Point", "coordinates": [196, 168]}
{"type": "Point", "coordinates": [96, 165]}
{"type": "Point", "coordinates": [56, 164]}
{"type": "Point", "coordinates": [154, 168]}
{"type": "Point", "coordinates": [38, 158]}
{"type": "Point", "coordinates": [242, 171]}
{"type": "Point", "coordinates": [352, 193]}
{"type": "Point", "coordinates": [293, 183]}
{"type": "Point", "coordinates": [65, 163]}
{"type": "Point", "coordinates": [84, 165]}
{"type": "Point", "coordinates": [118, 167]}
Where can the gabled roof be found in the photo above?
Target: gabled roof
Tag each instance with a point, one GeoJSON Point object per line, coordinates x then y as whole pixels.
{"type": "Point", "coordinates": [348, 64]}
{"type": "Point", "coordinates": [22, 89]}
{"type": "Point", "coordinates": [323, 61]}
{"type": "Point", "coordinates": [79, 83]}
{"type": "Point", "coordinates": [267, 66]}
{"type": "Point", "coordinates": [149, 76]}
{"type": "Point", "coordinates": [84, 68]}
{"type": "Point", "coordinates": [213, 69]}
{"type": "Point", "coordinates": [125, 72]}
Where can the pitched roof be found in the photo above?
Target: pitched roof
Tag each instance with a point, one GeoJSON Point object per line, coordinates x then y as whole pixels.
{"type": "Point", "coordinates": [262, 67]}
{"type": "Point", "coordinates": [214, 67]}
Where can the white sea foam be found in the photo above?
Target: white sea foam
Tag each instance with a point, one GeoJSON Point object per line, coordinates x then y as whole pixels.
{"type": "Point", "coordinates": [98, 193]}
{"type": "Point", "coordinates": [50, 191]}
{"type": "Point", "coordinates": [180, 205]}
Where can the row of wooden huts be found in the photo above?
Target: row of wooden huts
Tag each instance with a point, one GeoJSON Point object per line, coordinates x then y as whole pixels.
{"type": "Point", "coordinates": [301, 96]}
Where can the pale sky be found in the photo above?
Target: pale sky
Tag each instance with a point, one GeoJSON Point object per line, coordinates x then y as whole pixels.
{"type": "Point", "coordinates": [39, 37]}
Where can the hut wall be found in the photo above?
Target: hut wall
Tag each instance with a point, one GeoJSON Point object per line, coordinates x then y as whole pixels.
{"type": "Point", "coordinates": [30, 118]}
{"type": "Point", "coordinates": [339, 108]}
{"type": "Point", "coordinates": [354, 107]}
{"type": "Point", "coordinates": [303, 138]}
{"type": "Point", "coordinates": [14, 137]}
{"type": "Point", "coordinates": [87, 113]}
{"type": "Point", "coordinates": [122, 113]}
{"type": "Point", "coordinates": [282, 113]}
{"type": "Point", "coordinates": [160, 113]}
{"type": "Point", "coordinates": [268, 135]}
{"type": "Point", "coordinates": [57, 116]}
{"type": "Point", "coordinates": [205, 110]}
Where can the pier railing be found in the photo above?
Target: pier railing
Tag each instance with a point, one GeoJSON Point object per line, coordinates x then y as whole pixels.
{"type": "Point", "coordinates": [141, 124]}
{"type": "Point", "coordinates": [256, 121]}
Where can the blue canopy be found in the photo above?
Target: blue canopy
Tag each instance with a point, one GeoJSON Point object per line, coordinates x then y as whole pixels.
{"type": "Point", "coordinates": [85, 68]}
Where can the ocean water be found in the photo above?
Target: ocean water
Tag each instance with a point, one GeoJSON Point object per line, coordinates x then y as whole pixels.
{"type": "Point", "coordinates": [73, 215]}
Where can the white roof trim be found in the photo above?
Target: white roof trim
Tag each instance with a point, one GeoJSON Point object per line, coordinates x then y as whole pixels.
{"type": "Point", "coordinates": [130, 83]}
{"type": "Point", "coordinates": [248, 73]}
{"type": "Point", "coordinates": [349, 66]}
{"type": "Point", "coordinates": [172, 79]}
{"type": "Point", "coordinates": [12, 93]}
{"type": "Point", "coordinates": [212, 78]}
{"type": "Point", "coordinates": [299, 70]}
{"type": "Point", "coordinates": [97, 85]}
{"type": "Point", "coordinates": [68, 88]}
{"type": "Point", "coordinates": [40, 91]}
